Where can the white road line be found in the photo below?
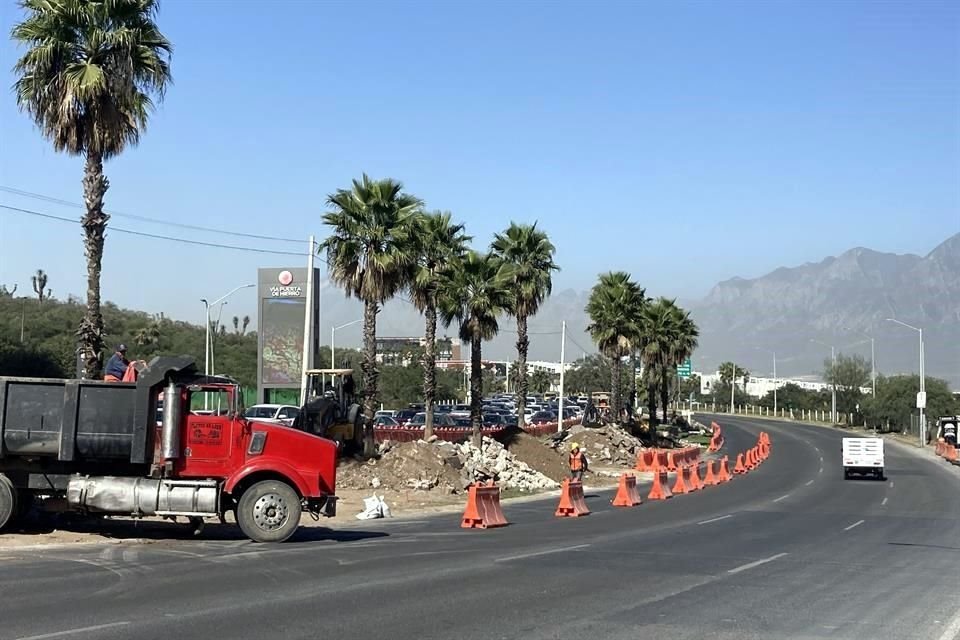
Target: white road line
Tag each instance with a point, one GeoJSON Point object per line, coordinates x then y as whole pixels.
{"type": "Point", "coordinates": [809, 483]}
{"type": "Point", "coordinates": [884, 502]}
{"type": "Point", "coordinates": [715, 519]}
{"type": "Point", "coordinates": [783, 497]}
{"type": "Point", "coordinates": [891, 484]}
{"type": "Point", "coordinates": [855, 524]}
{"type": "Point", "coordinates": [952, 632]}
{"type": "Point", "coordinates": [751, 565]}
{"type": "Point", "coordinates": [70, 632]}
{"type": "Point", "coordinates": [541, 553]}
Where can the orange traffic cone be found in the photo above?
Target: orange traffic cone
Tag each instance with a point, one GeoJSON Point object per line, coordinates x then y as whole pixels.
{"type": "Point", "coordinates": [724, 474]}
{"type": "Point", "coordinates": [739, 469]}
{"type": "Point", "coordinates": [659, 490]}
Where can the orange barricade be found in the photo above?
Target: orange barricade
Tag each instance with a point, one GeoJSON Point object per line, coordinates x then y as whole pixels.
{"type": "Point", "coordinates": [951, 454]}
{"type": "Point", "coordinates": [938, 448]}
{"type": "Point", "coordinates": [627, 495]}
{"type": "Point", "coordinates": [660, 489]}
{"type": "Point", "coordinates": [642, 464]}
{"type": "Point", "coordinates": [572, 503]}
{"type": "Point", "coordinates": [679, 487]}
{"type": "Point", "coordinates": [710, 480]}
{"type": "Point", "coordinates": [724, 474]}
{"type": "Point", "coordinates": [671, 461]}
{"type": "Point", "coordinates": [483, 507]}
{"type": "Point", "coordinates": [739, 468]}
{"type": "Point", "coordinates": [693, 478]}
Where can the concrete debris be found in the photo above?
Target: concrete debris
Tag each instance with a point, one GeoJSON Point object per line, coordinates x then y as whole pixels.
{"type": "Point", "coordinates": [609, 444]}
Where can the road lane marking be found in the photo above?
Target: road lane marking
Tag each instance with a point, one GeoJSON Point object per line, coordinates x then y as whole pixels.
{"type": "Point", "coordinates": [884, 502]}
{"type": "Point", "coordinates": [70, 632]}
{"type": "Point", "coordinates": [855, 524]}
{"type": "Point", "coordinates": [953, 629]}
{"type": "Point", "coordinates": [541, 553]}
{"type": "Point", "coordinates": [783, 497]}
{"type": "Point", "coordinates": [715, 519]}
{"type": "Point", "coordinates": [809, 483]}
{"type": "Point", "coordinates": [751, 565]}
{"type": "Point", "coordinates": [891, 484]}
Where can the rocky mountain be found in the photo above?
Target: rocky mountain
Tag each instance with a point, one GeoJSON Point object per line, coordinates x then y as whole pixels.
{"type": "Point", "coordinates": [835, 301]}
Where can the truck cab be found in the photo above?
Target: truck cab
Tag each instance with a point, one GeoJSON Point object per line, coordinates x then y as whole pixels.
{"type": "Point", "coordinates": [107, 447]}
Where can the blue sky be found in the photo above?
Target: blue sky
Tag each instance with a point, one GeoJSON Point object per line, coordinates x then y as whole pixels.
{"type": "Point", "coordinates": [684, 142]}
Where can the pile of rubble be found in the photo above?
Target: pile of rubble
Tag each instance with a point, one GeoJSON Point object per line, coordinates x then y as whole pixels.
{"type": "Point", "coordinates": [442, 466]}
{"type": "Point", "coordinates": [608, 445]}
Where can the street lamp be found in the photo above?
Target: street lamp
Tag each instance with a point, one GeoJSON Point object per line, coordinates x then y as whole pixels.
{"type": "Point", "coordinates": [207, 305]}
{"type": "Point", "coordinates": [833, 374]}
{"type": "Point", "coordinates": [873, 361]}
{"type": "Point", "coordinates": [774, 354]}
{"type": "Point", "coordinates": [333, 337]}
{"type": "Point", "coordinates": [922, 397]}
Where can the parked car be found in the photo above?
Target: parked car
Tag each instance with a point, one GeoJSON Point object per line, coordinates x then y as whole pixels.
{"type": "Point", "coordinates": [385, 421]}
{"type": "Point", "coordinates": [461, 421]}
{"type": "Point", "coordinates": [441, 420]}
{"type": "Point", "coordinates": [276, 413]}
{"type": "Point", "coordinates": [509, 421]}
{"type": "Point", "coordinates": [384, 412]}
{"type": "Point", "coordinates": [404, 416]}
{"type": "Point", "coordinates": [542, 417]}
{"type": "Point", "coordinates": [492, 420]}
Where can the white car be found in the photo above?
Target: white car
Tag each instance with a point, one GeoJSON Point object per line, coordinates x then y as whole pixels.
{"type": "Point", "coordinates": [283, 414]}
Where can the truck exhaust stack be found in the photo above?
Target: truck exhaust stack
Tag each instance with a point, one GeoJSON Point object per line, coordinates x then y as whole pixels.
{"type": "Point", "coordinates": [170, 436]}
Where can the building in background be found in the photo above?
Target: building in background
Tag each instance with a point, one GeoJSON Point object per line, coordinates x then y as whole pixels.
{"type": "Point", "coordinates": [403, 351]}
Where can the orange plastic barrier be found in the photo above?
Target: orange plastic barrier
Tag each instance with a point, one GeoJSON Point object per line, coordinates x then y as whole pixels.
{"type": "Point", "coordinates": [938, 449]}
{"type": "Point", "coordinates": [671, 461]}
{"type": "Point", "coordinates": [627, 495]}
{"type": "Point", "coordinates": [710, 480]}
{"type": "Point", "coordinates": [739, 468]}
{"type": "Point", "coordinates": [660, 489]}
{"type": "Point", "coordinates": [693, 477]}
{"type": "Point", "coordinates": [680, 487]}
{"type": "Point", "coordinates": [642, 461]}
{"type": "Point", "coordinates": [951, 454]}
{"type": "Point", "coordinates": [724, 474]}
{"type": "Point", "coordinates": [572, 503]}
{"type": "Point", "coordinates": [483, 507]}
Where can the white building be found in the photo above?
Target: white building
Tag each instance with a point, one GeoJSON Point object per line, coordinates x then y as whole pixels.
{"type": "Point", "coordinates": [759, 387]}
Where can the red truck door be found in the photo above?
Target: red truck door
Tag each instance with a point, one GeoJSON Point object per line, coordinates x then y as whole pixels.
{"type": "Point", "coordinates": [208, 443]}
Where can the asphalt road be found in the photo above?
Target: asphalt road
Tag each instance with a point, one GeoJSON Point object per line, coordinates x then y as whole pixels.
{"type": "Point", "coordinates": [788, 551]}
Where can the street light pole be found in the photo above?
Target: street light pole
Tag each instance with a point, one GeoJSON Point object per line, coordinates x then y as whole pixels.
{"type": "Point", "coordinates": [923, 388]}
{"type": "Point", "coordinates": [833, 385]}
{"type": "Point", "coordinates": [774, 354]}
{"type": "Point", "coordinates": [733, 387]}
{"type": "Point", "coordinates": [207, 305]}
{"type": "Point", "coordinates": [333, 337]}
{"type": "Point", "coordinates": [563, 340]}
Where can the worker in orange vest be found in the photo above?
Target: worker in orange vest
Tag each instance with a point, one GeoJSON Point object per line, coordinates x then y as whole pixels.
{"type": "Point", "coordinates": [578, 462]}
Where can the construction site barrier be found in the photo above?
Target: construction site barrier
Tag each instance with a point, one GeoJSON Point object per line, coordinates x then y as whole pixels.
{"type": "Point", "coordinates": [627, 495]}
{"type": "Point", "coordinates": [724, 473]}
{"type": "Point", "coordinates": [449, 434]}
{"type": "Point", "coordinates": [680, 485]}
{"type": "Point", "coordinates": [709, 479]}
{"type": "Point", "coordinates": [483, 507]}
{"type": "Point", "coordinates": [660, 489]}
{"type": "Point", "coordinates": [572, 503]}
{"type": "Point", "coordinates": [693, 477]}
{"type": "Point", "coordinates": [739, 468]}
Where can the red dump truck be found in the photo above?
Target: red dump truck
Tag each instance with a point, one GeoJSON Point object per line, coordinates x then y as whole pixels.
{"type": "Point", "coordinates": [99, 447]}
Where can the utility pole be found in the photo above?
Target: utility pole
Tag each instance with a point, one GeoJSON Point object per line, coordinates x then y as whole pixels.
{"type": "Point", "coordinates": [922, 396]}
{"type": "Point", "coordinates": [733, 387]}
{"type": "Point", "coordinates": [563, 340]}
{"type": "Point", "coordinates": [307, 361]}
{"type": "Point", "coordinates": [833, 385]}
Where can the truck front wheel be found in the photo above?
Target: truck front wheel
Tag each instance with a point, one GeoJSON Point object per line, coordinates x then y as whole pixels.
{"type": "Point", "coordinates": [8, 501]}
{"type": "Point", "coordinates": [269, 511]}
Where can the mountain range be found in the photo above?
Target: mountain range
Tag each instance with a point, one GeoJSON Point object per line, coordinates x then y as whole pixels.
{"type": "Point", "coordinates": [837, 301]}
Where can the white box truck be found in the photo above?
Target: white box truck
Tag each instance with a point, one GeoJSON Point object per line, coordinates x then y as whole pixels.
{"type": "Point", "coordinates": [863, 456]}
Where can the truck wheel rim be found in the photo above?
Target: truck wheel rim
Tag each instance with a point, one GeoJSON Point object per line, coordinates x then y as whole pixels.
{"type": "Point", "coordinates": [270, 511]}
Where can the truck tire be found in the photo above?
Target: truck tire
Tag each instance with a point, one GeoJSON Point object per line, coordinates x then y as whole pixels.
{"type": "Point", "coordinates": [8, 502]}
{"type": "Point", "coordinates": [269, 511]}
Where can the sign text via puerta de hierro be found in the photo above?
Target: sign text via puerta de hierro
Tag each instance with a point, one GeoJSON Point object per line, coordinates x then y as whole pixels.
{"type": "Point", "coordinates": [286, 292]}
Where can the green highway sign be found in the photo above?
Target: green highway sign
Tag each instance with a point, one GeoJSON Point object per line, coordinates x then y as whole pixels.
{"type": "Point", "coordinates": [685, 369]}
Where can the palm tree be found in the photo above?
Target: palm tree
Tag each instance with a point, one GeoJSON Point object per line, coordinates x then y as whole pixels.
{"type": "Point", "coordinates": [668, 336]}
{"type": "Point", "coordinates": [439, 242]}
{"type": "Point", "coordinates": [149, 335]}
{"type": "Point", "coordinates": [614, 307]}
{"type": "Point", "coordinates": [236, 325]}
{"type": "Point", "coordinates": [540, 381]}
{"type": "Point", "coordinates": [369, 255]}
{"type": "Point", "coordinates": [475, 290]}
{"type": "Point", "coordinates": [244, 325]}
{"type": "Point", "coordinates": [686, 340]}
{"type": "Point", "coordinates": [89, 79]}
{"type": "Point", "coordinates": [530, 252]}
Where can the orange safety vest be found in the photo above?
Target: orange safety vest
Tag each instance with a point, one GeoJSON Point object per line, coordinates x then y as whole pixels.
{"type": "Point", "coordinates": [576, 461]}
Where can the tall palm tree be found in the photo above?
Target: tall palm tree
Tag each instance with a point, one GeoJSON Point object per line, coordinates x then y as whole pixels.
{"type": "Point", "coordinates": [656, 341]}
{"type": "Point", "coordinates": [439, 242]}
{"type": "Point", "coordinates": [685, 341]}
{"type": "Point", "coordinates": [614, 307]}
{"type": "Point", "coordinates": [39, 280]}
{"type": "Point", "coordinates": [370, 254]}
{"type": "Point", "coordinates": [530, 252]}
{"type": "Point", "coordinates": [89, 79]}
{"type": "Point", "coordinates": [476, 290]}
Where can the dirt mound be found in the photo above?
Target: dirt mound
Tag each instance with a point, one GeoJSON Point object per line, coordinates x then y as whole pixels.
{"type": "Point", "coordinates": [539, 455]}
{"type": "Point", "coordinates": [608, 444]}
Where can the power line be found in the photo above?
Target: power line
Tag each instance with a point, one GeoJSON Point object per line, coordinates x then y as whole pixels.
{"type": "Point", "coordinates": [156, 236]}
{"type": "Point", "coordinates": [193, 227]}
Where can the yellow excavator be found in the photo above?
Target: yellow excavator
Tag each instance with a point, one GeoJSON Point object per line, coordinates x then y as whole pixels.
{"type": "Point", "coordinates": [331, 410]}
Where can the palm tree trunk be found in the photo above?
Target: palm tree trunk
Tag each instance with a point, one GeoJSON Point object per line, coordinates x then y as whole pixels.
{"type": "Point", "coordinates": [652, 402]}
{"type": "Point", "coordinates": [429, 369]}
{"type": "Point", "coordinates": [522, 383]}
{"type": "Point", "coordinates": [633, 379]}
{"type": "Point", "coordinates": [94, 224]}
{"type": "Point", "coordinates": [370, 373]}
{"type": "Point", "coordinates": [664, 393]}
{"type": "Point", "coordinates": [615, 384]}
{"type": "Point", "coordinates": [476, 388]}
